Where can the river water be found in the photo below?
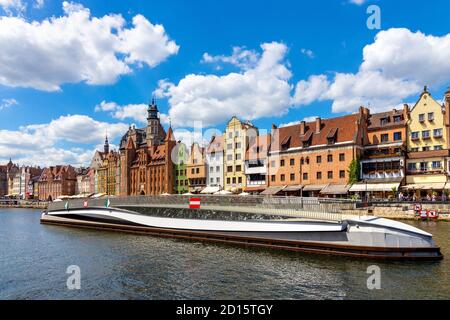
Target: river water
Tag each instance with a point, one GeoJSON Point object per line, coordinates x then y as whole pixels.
{"type": "Point", "coordinates": [34, 259]}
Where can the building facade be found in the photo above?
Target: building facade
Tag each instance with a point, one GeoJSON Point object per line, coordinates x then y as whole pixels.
{"type": "Point", "coordinates": [180, 157]}
{"type": "Point", "coordinates": [313, 158]}
{"type": "Point", "coordinates": [196, 168]}
{"type": "Point", "coordinates": [215, 163]}
{"type": "Point", "coordinates": [57, 181]}
{"type": "Point", "coordinates": [108, 174]}
{"type": "Point", "coordinates": [256, 164]}
{"type": "Point", "coordinates": [427, 146]}
{"type": "Point", "coordinates": [238, 136]}
{"type": "Point", "coordinates": [146, 166]}
{"type": "Point", "coordinates": [383, 161]}
{"type": "Point", "coordinates": [7, 173]}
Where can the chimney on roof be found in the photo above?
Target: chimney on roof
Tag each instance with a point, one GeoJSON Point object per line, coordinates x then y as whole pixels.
{"type": "Point", "coordinates": [274, 126]}
{"type": "Point", "coordinates": [318, 124]}
{"type": "Point", "coordinates": [302, 127]}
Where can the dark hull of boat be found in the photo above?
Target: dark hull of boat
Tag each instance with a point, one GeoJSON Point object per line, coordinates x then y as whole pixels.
{"type": "Point", "coordinates": [328, 243]}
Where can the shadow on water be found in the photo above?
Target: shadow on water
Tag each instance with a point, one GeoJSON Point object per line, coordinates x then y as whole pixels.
{"type": "Point", "coordinates": [126, 266]}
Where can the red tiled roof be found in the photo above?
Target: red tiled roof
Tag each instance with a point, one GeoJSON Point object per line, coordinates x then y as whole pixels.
{"type": "Point", "coordinates": [375, 119]}
{"type": "Point", "coordinates": [346, 128]}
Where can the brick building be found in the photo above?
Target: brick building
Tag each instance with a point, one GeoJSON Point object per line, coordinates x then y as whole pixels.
{"type": "Point", "coordinates": [384, 158]}
{"type": "Point", "coordinates": [196, 168]}
{"type": "Point", "coordinates": [57, 181]}
{"type": "Point", "coordinates": [146, 166]}
{"type": "Point", "coordinates": [313, 158]}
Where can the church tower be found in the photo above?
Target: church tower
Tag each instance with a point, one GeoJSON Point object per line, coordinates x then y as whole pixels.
{"type": "Point", "coordinates": [106, 146]}
{"type": "Point", "coordinates": [153, 125]}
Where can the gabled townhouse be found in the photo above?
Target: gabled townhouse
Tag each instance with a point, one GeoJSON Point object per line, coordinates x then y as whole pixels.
{"type": "Point", "coordinates": [427, 145]}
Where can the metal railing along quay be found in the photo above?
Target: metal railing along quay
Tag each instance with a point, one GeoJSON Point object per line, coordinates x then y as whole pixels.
{"type": "Point", "coordinates": [295, 207]}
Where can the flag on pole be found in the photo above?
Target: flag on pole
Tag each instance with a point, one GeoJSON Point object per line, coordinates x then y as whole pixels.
{"type": "Point", "coordinates": [107, 203]}
{"type": "Point", "coordinates": [66, 206]}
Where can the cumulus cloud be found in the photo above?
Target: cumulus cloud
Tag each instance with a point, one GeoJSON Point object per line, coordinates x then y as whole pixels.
{"type": "Point", "coordinates": [261, 91]}
{"type": "Point", "coordinates": [77, 47]}
{"type": "Point", "coordinates": [310, 90]}
{"type": "Point", "coordinates": [6, 103]}
{"type": "Point", "coordinates": [395, 66]}
{"type": "Point", "coordinates": [293, 123]}
{"type": "Point", "coordinates": [40, 143]}
{"type": "Point", "coordinates": [307, 52]}
{"type": "Point", "coordinates": [136, 112]}
{"type": "Point", "coordinates": [240, 57]}
{"type": "Point", "coordinates": [11, 6]}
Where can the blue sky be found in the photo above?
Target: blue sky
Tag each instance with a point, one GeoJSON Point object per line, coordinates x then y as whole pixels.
{"type": "Point", "coordinates": [291, 60]}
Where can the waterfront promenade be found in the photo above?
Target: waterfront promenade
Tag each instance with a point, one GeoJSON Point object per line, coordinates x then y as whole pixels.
{"type": "Point", "coordinates": [23, 204]}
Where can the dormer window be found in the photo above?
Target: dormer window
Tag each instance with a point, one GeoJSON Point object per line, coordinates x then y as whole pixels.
{"type": "Point", "coordinates": [331, 137]}
{"type": "Point", "coordinates": [306, 139]}
{"type": "Point", "coordinates": [384, 121]}
{"type": "Point", "coordinates": [285, 144]}
{"type": "Point", "coordinates": [397, 119]}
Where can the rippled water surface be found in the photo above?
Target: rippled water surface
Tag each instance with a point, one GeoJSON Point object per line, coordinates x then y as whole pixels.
{"type": "Point", "coordinates": [34, 259]}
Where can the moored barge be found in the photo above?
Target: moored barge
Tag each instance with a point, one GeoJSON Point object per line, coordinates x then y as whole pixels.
{"type": "Point", "coordinates": [256, 226]}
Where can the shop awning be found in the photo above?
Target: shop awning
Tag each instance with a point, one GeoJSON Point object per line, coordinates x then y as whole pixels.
{"type": "Point", "coordinates": [426, 186]}
{"type": "Point", "coordinates": [210, 190]}
{"type": "Point", "coordinates": [314, 187]}
{"type": "Point", "coordinates": [255, 188]}
{"type": "Point", "coordinates": [293, 188]}
{"type": "Point", "coordinates": [373, 187]}
{"type": "Point", "coordinates": [335, 189]}
{"type": "Point", "coordinates": [272, 191]}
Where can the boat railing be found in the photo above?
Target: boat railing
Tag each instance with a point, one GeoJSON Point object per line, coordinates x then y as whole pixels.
{"type": "Point", "coordinates": [295, 207]}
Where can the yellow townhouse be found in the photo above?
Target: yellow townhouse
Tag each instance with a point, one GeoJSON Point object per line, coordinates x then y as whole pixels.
{"type": "Point", "coordinates": [237, 136]}
{"type": "Point", "coordinates": [427, 144]}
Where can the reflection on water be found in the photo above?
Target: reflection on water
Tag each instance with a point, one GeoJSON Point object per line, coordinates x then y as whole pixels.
{"type": "Point", "coordinates": [121, 266]}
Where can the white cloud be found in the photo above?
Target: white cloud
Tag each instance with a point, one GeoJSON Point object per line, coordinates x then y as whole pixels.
{"type": "Point", "coordinates": [261, 91]}
{"type": "Point", "coordinates": [292, 123]}
{"type": "Point", "coordinates": [6, 103]}
{"type": "Point", "coordinates": [40, 143]}
{"type": "Point", "coordinates": [106, 106]}
{"type": "Point", "coordinates": [307, 52]}
{"type": "Point", "coordinates": [137, 112]}
{"type": "Point", "coordinates": [77, 47]}
{"type": "Point", "coordinates": [240, 57]}
{"type": "Point", "coordinates": [10, 6]}
{"type": "Point", "coordinates": [310, 90]}
{"type": "Point", "coordinates": [395, 66]}
{"type": "Point", "coordinates": [358, 2]}
{"type": "Point", "coordinates": [146, 43]}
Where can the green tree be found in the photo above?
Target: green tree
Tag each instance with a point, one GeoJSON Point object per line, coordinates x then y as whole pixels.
{"type": "Point", "coordinates": [353, 171]}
